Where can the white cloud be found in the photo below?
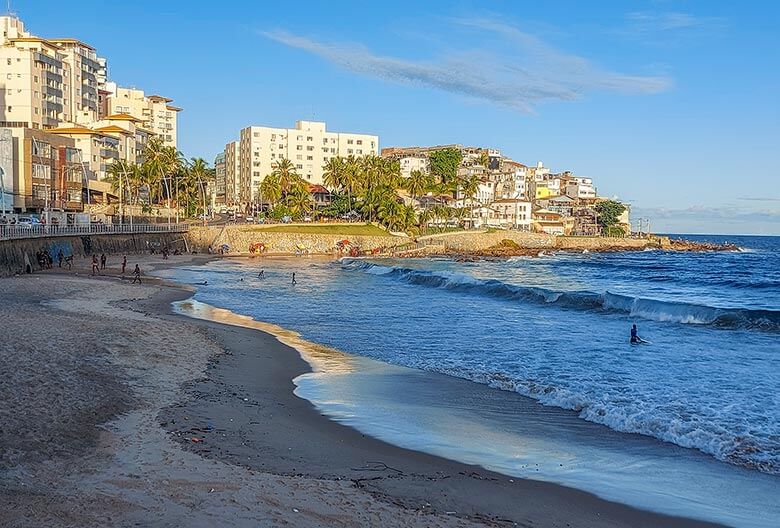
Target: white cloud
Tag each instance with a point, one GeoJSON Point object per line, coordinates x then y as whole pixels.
{"type": "Point", "coordinates": [528, 72]}
{"type": "Point", "coordinates": [647, 22]}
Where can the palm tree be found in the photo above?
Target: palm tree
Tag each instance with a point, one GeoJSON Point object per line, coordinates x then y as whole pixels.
{"type": "Point", "coordinates": [271, 189]}
{"type": "Point", "coordinates": [484, 159]}
{"type": "Point", "coordinates": [284, 171]}
{"type": "Point", "coordinates": [161, 161]}
{"type": "Point", "coordinates": [417, 182]}
{"type": "Point", "coordinates": [298, 200]}
{"type": "Point", "coordinates": [333, 173]}
{"type": "Point", "coordinates": [469, 186]}
{"type": "Point", "coordinates": [199, 175]}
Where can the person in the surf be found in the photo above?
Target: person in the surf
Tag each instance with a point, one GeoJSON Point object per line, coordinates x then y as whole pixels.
{"type": "Point", "coordinates": [634, 337]}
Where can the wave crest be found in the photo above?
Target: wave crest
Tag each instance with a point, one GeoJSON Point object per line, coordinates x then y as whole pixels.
{"type": "Point", "coordinates": [652, 309]}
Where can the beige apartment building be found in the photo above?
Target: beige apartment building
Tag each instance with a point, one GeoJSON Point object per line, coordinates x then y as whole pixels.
{"type": "Point", "coordinates": [233, 173]}
{"type": "Point", "coordinates": [46, 82]}
{"type": "Point", "coordinates": [154, 111]}
{"type": "Point", "coordinates": [308, 146]}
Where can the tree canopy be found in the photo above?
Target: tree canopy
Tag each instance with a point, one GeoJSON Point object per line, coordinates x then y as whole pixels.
{"type": "Point", "coordinates": [444, 163]}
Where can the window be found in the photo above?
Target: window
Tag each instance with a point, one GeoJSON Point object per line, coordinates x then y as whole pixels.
{"type": "Point", "coordinates": [310, 158]}
{"type": "Point", "coordinates": [349, 142]}
{"type": "Point", "coordinates": [359, 141]}
{"type": "Point", "coordinates": [349, 151]}
{"type": "Point", "coordinates": [299, 138]}
{"type": "Point", "coordinates": [309, 148]}
{"type": "Point", "coordinates": [256, 134]}
{"type": "Point", "coordinates": [299, 166]}
{"type": "Point", "coordinates": [309, 138]}
{"type": "Point", "coordinates": [299, 156]}
{"type": "Point", "coordinates": [360, 151]}
{"type": "Point", "coordinates": [299, 147]}
{"type": "Point", "coordinates": [40, 192]}
{"type": "Point", "coordinates": [281, 147]}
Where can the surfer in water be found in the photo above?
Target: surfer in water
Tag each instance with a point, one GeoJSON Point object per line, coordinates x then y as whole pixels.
{"type": "Point", "coordinates": [293, 279]}
{"type": "Point", "coordinates": [634, 337]}
{"type": "Point", "coordinates": [261, 275]}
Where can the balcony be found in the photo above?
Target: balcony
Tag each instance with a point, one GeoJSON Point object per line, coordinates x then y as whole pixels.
{"type": "Point", "coordinates": [50, 75]}
{"type": "Point", "coordinates": [109, 154]}
{"type": "Point", "coordinates": [40, 57]}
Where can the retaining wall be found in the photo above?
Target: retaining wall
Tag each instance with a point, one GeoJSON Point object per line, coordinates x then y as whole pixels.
{"type": "Point", "coordinates": [15, 254]}
{"type": "Point", "coordinates": [240, 238]}
{"type": "Point", "coordinates": [478, 241]}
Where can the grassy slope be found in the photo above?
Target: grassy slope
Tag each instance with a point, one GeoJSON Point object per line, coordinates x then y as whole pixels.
{"type": "Point", "coordinates": [314, 229]}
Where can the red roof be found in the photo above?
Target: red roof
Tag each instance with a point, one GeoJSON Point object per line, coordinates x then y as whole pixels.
{"type": "Point", "coordinates": [318, 189]}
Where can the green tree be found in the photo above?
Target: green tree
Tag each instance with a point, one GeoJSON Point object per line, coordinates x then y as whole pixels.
{"type": "Point", "coordinates": [333, 173]}
{"type": "Point", "coordinates": [298, 201]}
{"type": "Point", "coordinates": [444, 163]}
{"type": "Point", "coordinates": [417, 183]}
{"type": "Point", "coordinates": [284, 171]}
{"type": "Point", "coordinates": [609, 212]}
{"type": "Point", "coordinates": [271, 189]}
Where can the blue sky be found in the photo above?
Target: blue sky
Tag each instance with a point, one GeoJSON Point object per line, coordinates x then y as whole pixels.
{"type": "Point", "coordinates": [673, 106]}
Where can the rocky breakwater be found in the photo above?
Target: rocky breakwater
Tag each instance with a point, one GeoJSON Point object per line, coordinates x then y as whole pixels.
{"type": "Point", "coordinates": [481, 245]}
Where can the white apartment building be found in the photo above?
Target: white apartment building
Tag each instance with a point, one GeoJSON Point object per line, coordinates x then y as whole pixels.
{"type": "Point", "coordinates": [581, 188]}
{"type": "Point", "coordinates": [233, 173]}
{"type": "Point", "coordinates": [154, 111]}
{"type": "Point", "coordinates": [415, 162]}
{"type": "Point", "coordinates": [308, 146]}
{"type": "Point", "coordinates": [512, 213]}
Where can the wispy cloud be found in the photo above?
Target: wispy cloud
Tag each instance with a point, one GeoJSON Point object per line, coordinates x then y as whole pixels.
{"type": "Point", "coordinates": [665, 24]}
{"type": "Point", "coordinates": [525, 74]}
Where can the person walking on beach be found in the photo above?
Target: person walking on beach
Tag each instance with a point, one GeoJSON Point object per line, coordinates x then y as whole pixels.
{"type": "Point", "coordinates": [136, 275]}
{"type": "Point", "coordinates": [294, 282]}
{"type": "Point", "coordinates": [102, 261]}
{"type": "Point", "coordinates": [124, 264]}
{"type": "Point", "coordinates": [95, 267]}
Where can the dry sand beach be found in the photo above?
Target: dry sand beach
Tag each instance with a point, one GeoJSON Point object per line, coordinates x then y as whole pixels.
{"type": "Point", "coordinates": [104, 388]}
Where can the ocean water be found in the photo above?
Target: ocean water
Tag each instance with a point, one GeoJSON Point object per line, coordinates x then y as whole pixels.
{"type": "Point", "coordinates": [553, 329]}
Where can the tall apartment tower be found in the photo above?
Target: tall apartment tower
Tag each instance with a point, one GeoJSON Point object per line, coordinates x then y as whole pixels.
{"type": "Point", "coordinates": [308, 146]}
{"type": "Point", "coordinates": [46, 82]}
{"type": "Point", "coordinates": [233, 173]}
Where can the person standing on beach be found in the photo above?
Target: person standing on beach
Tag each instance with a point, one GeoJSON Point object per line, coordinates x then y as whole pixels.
{"type": "Point", "coordinates": [124, 264]}
{"type": "Point", "coordinates": [95, 267]}
{"type": "Point", "coordinates": [102, 261]}
{"type": "Point", "coordinates": [293, 279]}
{"type": "Point", "coordinates": [136, 275]}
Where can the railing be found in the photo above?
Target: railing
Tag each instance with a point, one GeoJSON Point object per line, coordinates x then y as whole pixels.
{"type": "Point", "coordinates": [21, 231]}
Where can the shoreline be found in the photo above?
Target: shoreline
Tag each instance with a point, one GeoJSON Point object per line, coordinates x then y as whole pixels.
{"type": "Point", "coordinates": [198, 376]}
{"type": "Point", "coordinates": [460, 489]}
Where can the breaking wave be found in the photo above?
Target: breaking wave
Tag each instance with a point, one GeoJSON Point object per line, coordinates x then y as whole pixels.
{"type": "Point", "coordinates": [652, 309]}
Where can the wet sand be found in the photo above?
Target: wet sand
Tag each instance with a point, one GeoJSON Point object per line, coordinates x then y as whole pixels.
{"type": "Point", "coordinates": [104, 390]}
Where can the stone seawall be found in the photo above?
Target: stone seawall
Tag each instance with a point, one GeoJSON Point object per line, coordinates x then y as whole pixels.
{"type": "Point", "coordinates": [239, 239]}
{"type": "Point", "coordinates": [13, 252]}
{"type": "Point", "coordinates": [603, 243]}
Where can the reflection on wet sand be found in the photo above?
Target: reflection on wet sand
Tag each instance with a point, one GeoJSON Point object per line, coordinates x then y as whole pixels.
{"type": "Point", "coordinates": [322, 359]}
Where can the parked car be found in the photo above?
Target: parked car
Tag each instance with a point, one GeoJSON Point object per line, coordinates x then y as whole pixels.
{"type": "Point", "coordinates": [28, 221]}
{"type": "Point", "coordinates": [249, 218]}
